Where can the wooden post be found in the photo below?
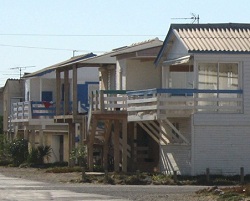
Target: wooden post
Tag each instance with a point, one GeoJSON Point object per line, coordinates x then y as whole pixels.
{"type": "Point", "coordinates": [58, 92]}
{"type": "Point", "coordinates": [106, 142]}
{"type": "Point", "coordinates": [116, 146]}
{"type": "Point", "coordinates": [208, 175]}
{"type": "Point", "coordinates": [135, 147]}
{"type": "Point", "coordinates": [41, 137]}
{"type": "Point", "coordinates": [124, 146]}
{"type": "Point", "coordinates": [242, 175]}
{"type": "Point", "coordinates": [26, 133]}
{"type": "Point", "coordinates": [32, 138]}
{"type": "Point", "coordinates": [71, 142]}
{"type": "Point", "coordinates": [74, 104]}
{"type": "Point", "coordinates": [101, 100]}
{"type": "Point", "coordinates": [90, 145]}
{"type": "Point", "coordinates": [96, 100]}
{"type": "Point", "coordinates": [175, 176]}
{"type": "Point", "coordinates": [66, 92]}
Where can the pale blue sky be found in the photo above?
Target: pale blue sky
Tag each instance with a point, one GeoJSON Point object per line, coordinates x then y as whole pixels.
{"type": "Point", "coordinates": [122, 23]}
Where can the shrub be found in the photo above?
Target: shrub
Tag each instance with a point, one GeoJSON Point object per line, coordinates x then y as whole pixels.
{"type": "Point", "coordinates": [19, 151]}
{"type": "Point", "coordinates": [79, 154]}
{"type": "Point", "coordinates": [43, 152]}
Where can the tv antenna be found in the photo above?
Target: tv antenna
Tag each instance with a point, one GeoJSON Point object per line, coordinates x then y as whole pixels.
{"type": "Point", "coordinates": [20, 68]}
{"type": "Point", "coordinates": [194, 17]}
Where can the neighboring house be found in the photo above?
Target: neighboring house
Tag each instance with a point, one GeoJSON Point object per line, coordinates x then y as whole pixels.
{"type": "Point", "coordinates": [1, 101]}
{"type": "Point", "coordinates": [200, 115]}
{"type": "Point", "coordinates": [35, 116]}
{"type": "Point", "coordinates": [13, 91]}
{"type": "Point", "coordinates": [123, 145]}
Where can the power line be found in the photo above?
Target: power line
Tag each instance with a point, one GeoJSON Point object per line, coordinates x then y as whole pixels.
{"type": "Point", "coordinates": [49, 48]}
{"type": "Point", "coordinates": [80, 35]}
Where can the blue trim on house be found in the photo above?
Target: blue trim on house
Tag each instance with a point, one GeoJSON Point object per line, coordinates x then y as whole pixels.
{"type": "Point", "coordinates": [179, 92]}
{"type": "Point", "coordinates": [71, 60]}
{"type": "Point", "coordinates": [157, 60]}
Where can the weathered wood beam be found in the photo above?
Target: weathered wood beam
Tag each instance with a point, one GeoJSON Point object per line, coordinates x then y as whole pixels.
{"type": "Point", "coordinates": [91, 144]}
{"type": "Point", "coordinates": [116, 145]}
{"type": "Point", "coordinates": [71, 139]}
{"type": "Point", "coordinates": [124, 145]}
{"type": "Point", "coordinates": [177, 131]}
{"type": "Point", "coordinates": [58, 92]}
{"type": "Point", "coordinates": [108, 126]}
{"type": "Point", "coordinates": [66, 92]}
{"type": "Point", "coordinates": [75, 103]}
{"type": "Point", "coordinates": [149, 132]}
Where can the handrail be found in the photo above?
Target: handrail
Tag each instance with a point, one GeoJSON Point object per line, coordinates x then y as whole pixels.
{"type": "Point", "coordinates": [181, 91]}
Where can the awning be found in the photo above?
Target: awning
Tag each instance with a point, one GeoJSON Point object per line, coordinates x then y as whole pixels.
{"type": "Point", "coordinates": [178, 61]}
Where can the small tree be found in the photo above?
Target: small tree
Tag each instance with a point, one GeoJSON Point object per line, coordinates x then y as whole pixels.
{"type": "Point", "coordinates": [79, 154]}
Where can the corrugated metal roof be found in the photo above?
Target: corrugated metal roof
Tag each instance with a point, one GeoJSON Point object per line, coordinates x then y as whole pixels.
{"type": "Point", "coordinates": [109, 57]}
{"type": "Point", "coordinates": [53, 67]}
{"type": "Point", "coordinates": [138, 46]}
{"type": "Point", "coordinates": [229, 37]}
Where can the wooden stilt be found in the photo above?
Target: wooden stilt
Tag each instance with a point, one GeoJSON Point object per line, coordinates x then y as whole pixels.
{"type": "Point", "coordinates": [106, 143]}
{"type": "Point", "coordinates": [124, 146]}
{"type": "Point", "coordinates": [116, 146]}
{"type": "Point", "coordinates": [71, 141]}
{"type": "Point", "coordinates": [90, 145]}
{"type": "Point", "coordinates": [26, 133]}
{"type": "Point", "coordinates": [32, 138]}
{"type": "Point", "coordinates": [41, 137]}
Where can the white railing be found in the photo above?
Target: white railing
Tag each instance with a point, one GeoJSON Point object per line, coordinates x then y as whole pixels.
{"type": "Point", "coordinates": [109, 100]}
{"type": "Point", "coordinates": [161, 103]}
{"type": "Point", "coordinates": [33, 110]}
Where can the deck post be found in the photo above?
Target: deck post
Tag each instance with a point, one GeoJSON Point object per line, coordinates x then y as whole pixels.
{"type": "Point", "coordinates": [135, 147]}
{"type": "Point", "coordinates": [26, 133]}
{"type": "Point", "coordinates": [32, 138]}
{"type": "Point", "coordinates": [74, 104]}
{"type": "Point", "coordinates": [106, 142]}
{"type": "Point", "coordinates": [91, 144]}
{"type": "Point", "coordinates": [71, 134]}
{"type": "Point", "coordinates": [124, 145]}
{"type": "Point", "coordinates": [58, 92]}
{"type": "Point", "coordinates": [66, 92]}
{"type": "Point", "coordinates": [116, 146]}
{"type": "Point", "coordinates": [41, 137]}
{"type": "Point", "coordinates": [101, 100]}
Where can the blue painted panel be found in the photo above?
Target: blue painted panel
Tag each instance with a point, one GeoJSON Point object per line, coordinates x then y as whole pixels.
{"type": "Point", "coordinates": [83, 94]}
{"type": "Point", "coordinates": [47, 96]}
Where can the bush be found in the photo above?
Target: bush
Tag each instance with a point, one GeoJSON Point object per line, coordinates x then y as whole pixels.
{"type": "Point", "coordinates": [19, 151]}
{"type": "Point", "coordinates": [37, 155]}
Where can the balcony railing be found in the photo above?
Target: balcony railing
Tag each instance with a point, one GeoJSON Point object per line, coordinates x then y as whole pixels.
{"type": "Point", "coordinates": [161, 103]}
{"type": "Point", "coordinates": [109, 100]}
{"type": "Point", "coordinates": [33, 110]}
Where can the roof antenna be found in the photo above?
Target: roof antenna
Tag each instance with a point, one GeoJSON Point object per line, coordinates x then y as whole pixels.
{"type": "Point", "coordinates": [194, 17]}
{"type": "Point", "coordinates": [20, 69]}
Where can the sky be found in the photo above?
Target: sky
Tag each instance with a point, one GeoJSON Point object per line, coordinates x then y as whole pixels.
{"type": "Point", "coordinates": [37, 34]}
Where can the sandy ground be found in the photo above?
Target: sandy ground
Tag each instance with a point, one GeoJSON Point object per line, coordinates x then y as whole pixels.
{"type": "Point", "coordinates": [41, 175]}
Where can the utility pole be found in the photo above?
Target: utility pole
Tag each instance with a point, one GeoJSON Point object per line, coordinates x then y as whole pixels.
{"type": "Point", "coordinates": [20, 69]}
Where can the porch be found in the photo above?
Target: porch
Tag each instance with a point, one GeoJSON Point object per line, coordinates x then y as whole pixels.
{"type": "Point", "coordinates": [159, 104]}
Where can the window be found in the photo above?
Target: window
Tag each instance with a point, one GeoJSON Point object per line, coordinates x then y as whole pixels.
{"type": "Point", "coordinates": [218, 76]}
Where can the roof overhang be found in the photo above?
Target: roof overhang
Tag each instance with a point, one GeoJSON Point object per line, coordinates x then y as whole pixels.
{"type": "Point", "coordinates": [178, 61]}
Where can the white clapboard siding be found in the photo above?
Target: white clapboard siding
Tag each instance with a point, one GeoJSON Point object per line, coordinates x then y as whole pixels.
{"type": "Point", "coordinates": [175, 157]}
{"type": "Point", "coordinates": [222, 149]}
